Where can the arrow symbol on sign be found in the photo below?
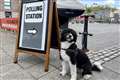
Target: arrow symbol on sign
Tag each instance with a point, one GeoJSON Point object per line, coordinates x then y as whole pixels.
{"type": "Point", "coordinates": [32, 31]}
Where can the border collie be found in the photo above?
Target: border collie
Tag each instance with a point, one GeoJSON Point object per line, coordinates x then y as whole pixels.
{"type": "Point", "coordinates": [75, 58]}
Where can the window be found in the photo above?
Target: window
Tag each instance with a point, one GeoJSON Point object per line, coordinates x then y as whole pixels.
{"type": "Point", "coordinates": [8, 14]}
{"type": "Point", "coordinates": [7, 4]}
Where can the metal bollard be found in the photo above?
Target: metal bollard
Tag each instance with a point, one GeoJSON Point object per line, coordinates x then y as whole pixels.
{"type": "Point", "coordinates": [85, 33]}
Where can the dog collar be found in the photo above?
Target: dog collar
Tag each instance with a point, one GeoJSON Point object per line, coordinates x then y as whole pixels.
{"type": "Point", "coordinates": [63, 49]}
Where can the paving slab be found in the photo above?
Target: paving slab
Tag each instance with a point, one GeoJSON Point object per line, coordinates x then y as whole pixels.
{"type": "Point", "coordinates": [38, 70]}
{"type": "Point", "coordinates": [8, 68]}
{"type": "Point", "coordinates": [117, 59]}
{"type": "Point", "coordinates": [27, 61]}
{"type": "Point", "coordinates": [9, 50]}
{"type": "Point", "coordinates": [18, 75]}
{"type": "Point", "coordinates": [105, 75]}
{"type": "Point", "coordinates": [32, 68]}
{"type": "Point", "coordinates": [1, 55]}
{"type": "Point", "coordinates": [1, 51]}
{"type": "Point", "coordinates": [5, 59]}
{"type": "Point", "coordinates": [54, 58]}
{"type": "Point", "coordinates": [54, 75]}
{"type": "Point", "coordinates": [113, 66]}
{"type": "Point", "coordinates": [106, 59]}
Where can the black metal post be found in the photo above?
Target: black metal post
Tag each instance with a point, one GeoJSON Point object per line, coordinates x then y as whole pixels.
{"type": "Point", "coordinates": [85, 34]}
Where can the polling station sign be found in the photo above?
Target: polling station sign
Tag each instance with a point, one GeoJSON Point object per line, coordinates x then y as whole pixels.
{"type": "Point", "coordinates": [33, 25]}
{"type": "Point", "coordinates": [34, 12]}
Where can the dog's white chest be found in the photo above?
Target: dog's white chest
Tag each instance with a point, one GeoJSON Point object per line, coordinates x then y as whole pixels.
{"type": "Point", "coordinates": [64, 55]}
{"type": "Point", "coordinates": [65, 45]}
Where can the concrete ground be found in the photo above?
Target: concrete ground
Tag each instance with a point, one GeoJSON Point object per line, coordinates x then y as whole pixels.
{"type": "Point", "coordinates": [32, 68]}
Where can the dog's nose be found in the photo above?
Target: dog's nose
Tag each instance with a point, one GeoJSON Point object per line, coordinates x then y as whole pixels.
{"type": "Point", "coordinates": [70, 36]}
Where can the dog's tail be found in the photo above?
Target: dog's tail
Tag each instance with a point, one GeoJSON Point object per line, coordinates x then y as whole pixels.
{"type": "Point", "coordinates": [97, 67]}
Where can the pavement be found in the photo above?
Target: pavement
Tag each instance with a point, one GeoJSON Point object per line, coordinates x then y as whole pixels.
{"type": "Point", "coordinates": [104, 35]}
{"type": "Point", "coordinates": [32, 68]}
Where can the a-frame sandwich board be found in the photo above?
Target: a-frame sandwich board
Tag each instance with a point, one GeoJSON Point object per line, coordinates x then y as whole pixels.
{"type": "Point", "coordinates": [38, 29]}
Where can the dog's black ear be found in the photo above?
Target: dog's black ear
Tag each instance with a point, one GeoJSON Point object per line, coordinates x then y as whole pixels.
{"type": "Point", "coordinates": [74, 34]}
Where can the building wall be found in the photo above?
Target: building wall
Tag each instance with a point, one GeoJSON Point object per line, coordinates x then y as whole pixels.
{"type": "Point", "coordinates": [2, 14]}
{"type": "Point", "coordinates": [103, 13]}
{"type": "Point", "coordinates": [15, 7]}
{"type": "Point", "coordinates": [1, 9]}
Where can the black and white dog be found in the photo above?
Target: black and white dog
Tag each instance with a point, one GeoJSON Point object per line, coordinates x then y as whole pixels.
{"type": "Point", "coordinates": [75, 58]}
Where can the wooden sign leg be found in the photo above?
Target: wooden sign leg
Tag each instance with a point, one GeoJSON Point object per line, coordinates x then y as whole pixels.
{"type": "Point", "coordinates": [46, 61]}
{"type": "Point", "coordinates": [57, 27]}
{"type": "Point", "coordinates": [16, 57]}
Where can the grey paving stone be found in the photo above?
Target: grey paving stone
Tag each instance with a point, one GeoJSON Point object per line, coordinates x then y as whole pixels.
{"type": "Point", "coordinates": [27, 61]}
{"type": "Point", "coordinates": [5, 59]}
{"type": "Point", "coordinates": [111, 53]}
{"type": "Point", "coordinates": [97, 58]}
{"type": "Point", "coordinates": [100, 61]}
{"type": "Point", "coordinates": [116, 51]}
{"type": "Point", "coordinates": [11, 52]}
{"type": "Point", "coordinates": [90, 57]}
{"type": "Point", "coordinates": [113, 48]}
{"type": "Point", "coordinates": [18, 75]}
{"type": "Point", "coordinates": [55, 75]}
{"type": "Point", "coordinates": [107, 54]}
{"type": "Point", "coordinates": [1, 51]}
{"type": "Point", "coordinates": [119, 53]}
{"type": "Point", "coordinates": [117, 59]}
{"type": "Point", "coordinates": [35, 66]}
{"type": "Point", "coordinates": [101, 51]}
{"type": "Point", "coordinates": [105, 75]}
{"type": "Point", "coordinates": [111, 57]}
{"type": "Point", "coordinates": [5, 69]}
{"type": "Point", "coordinates": [106, 59]}
{"type": "Point", "coordinates": [99, 54]}
{"type": "Point", "coordinates": [118, 48]}
{"type": "Point", "coordinates": [113, 65]}
{"type": "Point", "coordinates": [90, 54]}
{"type": "Point", "coordinates": [107, 50]}
{"type": "Point", "coordinates": [116, 55]}
{"type": "Point", "coordinates": [102, 56]}
{"type": "Point", "coordinates": [104, 52]}
{"type": "Point", "coordinates": [94, 55]}
{"type": "Point", "coordinates": [38, 70]}
{"type": "Point", "coordinates": [55, 58]}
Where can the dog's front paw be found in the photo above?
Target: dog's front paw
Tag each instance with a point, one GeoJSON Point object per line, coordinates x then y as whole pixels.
{"type": "Point", "coordinates": [73, 79]}
{"type": "Point", "coordinates": [87, 77]}
{"type": "Point", "coordinates": [62, 73]}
